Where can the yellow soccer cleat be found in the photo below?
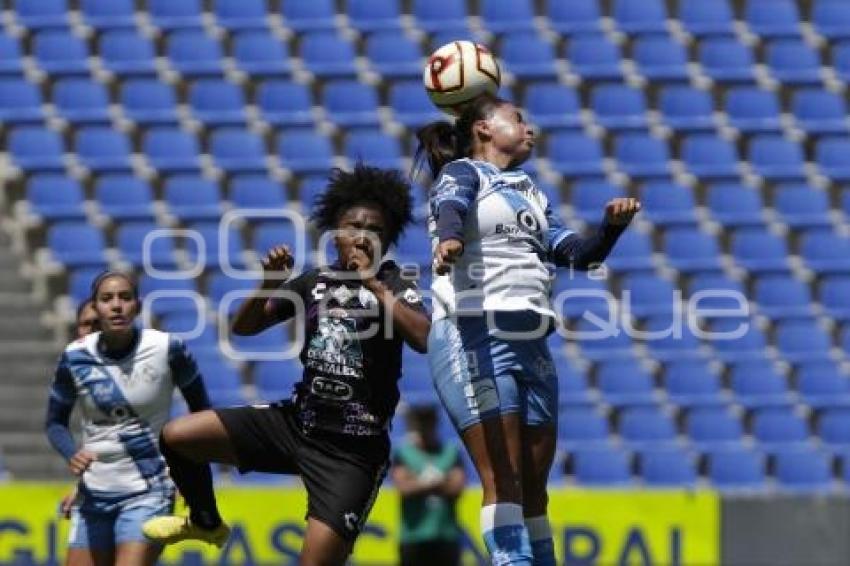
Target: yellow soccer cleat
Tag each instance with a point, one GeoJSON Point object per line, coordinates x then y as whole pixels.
{"type": "Point", "coordinates": [172, 528]}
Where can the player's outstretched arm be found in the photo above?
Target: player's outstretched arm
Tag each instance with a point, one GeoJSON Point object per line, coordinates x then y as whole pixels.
{"type": "Point", "coordinates": [258, 312]}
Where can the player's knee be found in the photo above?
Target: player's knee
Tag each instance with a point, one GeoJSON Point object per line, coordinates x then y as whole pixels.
{"type": "Point", "coordinates": [173, 435]}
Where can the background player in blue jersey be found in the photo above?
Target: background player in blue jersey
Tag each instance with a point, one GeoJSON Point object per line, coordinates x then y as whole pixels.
{"type": "Point", "coordinates": [495, 234]}
{"type": "Point", "coordinates": [123, 380]}
{"type": "Point", "coordinates": [357, 314]}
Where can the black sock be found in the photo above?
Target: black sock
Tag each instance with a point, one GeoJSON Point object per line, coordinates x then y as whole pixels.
{"type": "Point", "coordinates": [195, 484]}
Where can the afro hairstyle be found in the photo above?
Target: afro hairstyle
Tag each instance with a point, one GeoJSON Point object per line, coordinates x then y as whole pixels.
{"type": "Point", "coordinates": [364, 185]}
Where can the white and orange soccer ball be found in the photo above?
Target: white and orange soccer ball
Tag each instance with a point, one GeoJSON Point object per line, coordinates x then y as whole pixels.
{"type": "Point", "coordinates": [458, 72]}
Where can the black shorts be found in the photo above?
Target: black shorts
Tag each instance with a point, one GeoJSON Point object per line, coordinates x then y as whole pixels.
{"type": "Point", "coordinates": [342, 473]}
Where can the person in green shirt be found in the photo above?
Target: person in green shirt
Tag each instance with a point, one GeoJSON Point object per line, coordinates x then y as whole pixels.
{"type": "Point", "coordinates": [429, 477]}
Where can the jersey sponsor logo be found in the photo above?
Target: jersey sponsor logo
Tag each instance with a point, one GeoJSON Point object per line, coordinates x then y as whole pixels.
{"type": "Point", "coordinates": [351, 520]}
{"type": "Point", "coordinates": [412, 297]}
{"type": "Point", "coordinates": [331, 389]}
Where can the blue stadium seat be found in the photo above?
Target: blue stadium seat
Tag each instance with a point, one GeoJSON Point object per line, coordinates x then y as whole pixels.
{"type": "Point", "coordinates": [778, 428]}
{"type": "Point", "coordinates": [238, 150]}
{"type": "Point", "coordinates": [826, 252]}
{"type": "Point", "coordinates": [783, 296]}
{"type": "Point", "coordinates": [646, 426]}
{"type": "Point", "coordinates": [727, 60]}
{"type": "Point", "coordinates": [573, 388]}
{"type": "Point", "coordinates": [257, 191]}
{"type": "Point", "coordinates": [220, 285]}
{"type": "Point", "coordinates": [805, 469]}
{"type": "Point", "coordinates": [701, 18]}
{"type": "Point", "coordinates": [831, 157]}
{"type": "Point", "coordinates": [801, 206]}
{"type": "Point", "coordinates": [640, 16]}
{"type": "Point", "coordinates": [271, 233]}
{"type": "Point", "coordinates": [619, 107]}
{"type": "Point", "coordinates": [367, 16]}
{"type": "Point", "coordinates": [756, 385]}
{"type": "Point", "coordinates": [440, 15]}
{"type": "Point", "coordinates": [642, 156]}
{"type": "Point", "coordinates": [710, 157]}
{"type": "Point", "coordinates": [667, 467]}
{"type": "Point", "coordinates": [821, 384]}
{"type": "Point", "coordinates": [149, 102]}
{"type": "Point", "coordinates": [668, 204]}
{"type": "Point", "coordinates": [76, 244]}
{"type": "Point", "coordinates": [623, 383]}
{"type": "Point", "coordinates": [109, 14]}
{"type": "Point", "coordinates": [552, 105]}
{"type": "Point", "coordinates": [835, 296]}
{"type": "Point", "coordinates": [285, 103]}
{"type": "Point", "coordinates": [171, 15]}
{"type": "Point", "coordinates": [124, 197]}
{"type": "Point", "coordinates": [738, 339]}
{"type": "Point", "coordinates": [126, 53]}
{"type": "Point", "coordinates": [734, 205]}
{"type": "Point", "coordinates": [633, 253]}
{"type": "Point", "coordinates": [394, 55]}
{"type": "Point", "coordinates": [648, 295]}
{"type": "Point", "coordinates": [237, 15]}
{"type": "Point", "coordinates": [689, 250]}
{"type": "Point", "coordinates": [211, 233]}
{"type": "Point", "coordinates": [691, 383]}
{"type": "Point", "coordinates": [593, 57]}
{"type": "Point", "coordinates": [737, 468]}
{"type": "Point", "coordinates": [602, 342]}
{"type": "Point", "coordinates": [668, 339]}
{"type": "Point", "coordinates": [309, 15]}
{"type": "Point", "coordinates": [602, 466]}
{"type": "Point", "coordinates": [712, 428]}
{"type": "Point", "coordinates": [276, 380]}
{"type": "Point", "coordinates": [325, 54]}
{"type": "Point", "coordinates": [414, 249]}
{"type": "Point", "coordinates": [801, 340]}
{"type": "Point", "coordinates": [579, 16]}
{"type": "Point", "coordinates": [193, 53]}
{"type": "Point", "coordinates": [576, 293]}
{"type": "Point", "coordinates": [55, 197]}
{"type": "Point", "coordinates": [305, 152]}
{"type": "Point", "coordinates": [500, 17]}
{"type": "Point", "coordinates": [793, 62]}
{"type": "Point", "coordinates": [81, 102]}
{"type": "Point", "coordinates": [11, 56]}
{"type": "Point", "coordinates": [528, 56]}
{"type": "Point", "coordinates": [260, 54]}
{"type": "Point", "coordinates": [411, 105]}
{"type": "Point", "coordinates": [820, 112]}
{"type": "Point", "coordinates": [834, 426]}
{"type": "Point", "coordinates": [20, 102]}
{"type": "Point", "coordinates": [582, 426]}
{"type": "Point", "coordinates": [36, 149]}
{"type": "Point", "coordinates": [841, 60]}
{"type": "Point", "coordinates": [773, 18]}
{"type": "Point", "coordinates": [310, 188]}
{"type": "Point", "coordinates": [217, 103]}
{"type": "Point", "coordinates": [753, 110]}
{"type": "Point", "coordinates": [589, 197]}
{"type": "Point", "coordinates": [831, 19]}
{"type": "Point", "coordinates": [374, 148]}
{"type": "Point", "coordinates": [103, 150]}
{"type": "Point", "coordinates": [41, 14]}
{"type": "Point", "coordinates": [172, 150]}
{"type": "Point", "coordinates": [661, 59]}
{"type": "Point", "coordinates": [760, 251]}
{"type": "Point", "coordinates": [190, 197]}
{"type": "Point", "coordinates": [79, 283]}
{"type": "Point", "coordinates": [130, 240]}
{"type": "Point", "coordinates": [350, 104]}
{"type": "Point", "coordinates": [61, 53]}
{"type": "Point", "coordinates": [574, 154]}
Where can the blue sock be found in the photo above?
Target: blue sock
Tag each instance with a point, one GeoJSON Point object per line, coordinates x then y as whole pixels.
{"type": "Point", "coordinates": [542, 545]}
{"type": "Point", "coordinates": [505, 534]}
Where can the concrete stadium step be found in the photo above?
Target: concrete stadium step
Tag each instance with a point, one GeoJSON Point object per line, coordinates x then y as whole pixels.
{"type": "Point", "coordinates": [37, 466]}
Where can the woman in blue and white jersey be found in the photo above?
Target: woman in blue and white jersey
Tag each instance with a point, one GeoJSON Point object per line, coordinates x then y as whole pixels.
{"type": "Point", "coordinates": [494, 236]}
{"type": "Point", "coordinates": [123, 379]}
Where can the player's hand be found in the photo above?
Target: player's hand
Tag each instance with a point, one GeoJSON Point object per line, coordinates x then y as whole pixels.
{"type": "Point", "coordinates": [278, 260]}
{"type": "Point", "coordinates": [620, 211]}
{"type": "Point", "coordinates": [81, 461]}
{"type": "Point", "coordinates": [447, 253]}
{"type": "Point", "coordinates": [67, 503]}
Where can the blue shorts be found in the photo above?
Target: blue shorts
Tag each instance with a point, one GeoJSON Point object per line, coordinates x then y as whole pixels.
{"type": "Point", "coordinates": [105, 521]}
{"type": "Point", "coordinates": [482, 370]}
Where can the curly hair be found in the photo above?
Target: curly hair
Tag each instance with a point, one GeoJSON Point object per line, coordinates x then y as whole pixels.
{"type": "Point", "coordinates": [364, 185]}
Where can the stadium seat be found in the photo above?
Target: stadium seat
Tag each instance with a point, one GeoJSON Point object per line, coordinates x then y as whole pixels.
{"type": "Point", "coordinates": [668, 338]}
{"type": "Point", "coordinates": [773, 18]}
{"type": "Point", "coordinates": [20, 102]}
{"type": "Point", "coordinates": [834, 426]}
{"type": "Point", "coordinates": [527, 56]}
{"type": "Point", "coordinates": [11, 57]}
{"type": "Point", "coordinates": [238, 15]}
{"type": "Point", "coordinates": [414, 249]}
{"type": "Point", "coordinates": [440, 15]}
{"type": "Point", "coordinates": [660, 58]}
{"type": "Point", "coordinates": [753, 110]}
{"type": "Point", "coordinates": [801, 340]}
{"type": "Point", "coordinates": [835, 296]}
{"type": "Point", "coordinates": [276, 380]}
{"type": "Point", "coordinates": [410, 104]}
{"type": "Point", "coordinates": [686, 109]}
{"type": "Point", "coordinates": [309, 15]}
{"type": "Point", "coordinates": [825, 252]}
{"type": "Point", "coordinates": [830, 154]}
{"type": "Point", "coordinates": [109, 14]}
{"type": "Point", "coordinates": [55, 197]}
{"type": "Point", "coordinates": [284, 103]}
{"type": "Point", "coordinates": [821, 384]}
{"type": "Point", "coordinates": [214, 234]}
{"type": "Point", "coordinates": [783, 296]}
{"type": "Point", "coordinates": [310, 188]}
{"type": "Point", "coordinates": [633, 253]}
{"type": "Point", "coordinates": [79, 283]}
{"type": "Point", "coordinates": [820, 112]}
{"type": "Point", "coordinates": [60, 53]}
{"type": "Point", "coordinates": [736, 468]}
{"type": "Point", "coordinates": [646, 426]}
{"type": "Point", "coordinates": [648, 295]}
{"type": "Point", "coordinates": [394, 55]}
{"type": "Point", "coordinates": [691, 383]}
{"type": "Point", "coordinates": [81, 102]}
{"type": "Point", "coordinates": [804, 469]}
{"type": "Point", "coordinates": [367, 16]}
{"type": "Point", "coordinates": [193, 53]}
{"type": "Point", "coordinates": [575, 155]}
{"type": "Point", "coordinates": [802, 207]}
{"type": "Point", "coordinates": [714, 427]}
{"type": "Point", "coordinates": [737, 339]}
{"type": "Point", "coordinates": [237, 150]}
{"type": "Point", "coordinates": [103, 150]}
{"type": "Point", "coordinates": [689, 250]}
{"type": "Point", "coordinates": [841, 60]}
{"type": "Point", "coordinates": [582, 426]}
{"type": "Point", "coordinates": [222, 286]}
{"type": "Point", "coordinates": [622, 384]}
{"type": "Point", "coordinates": [756, 385]}
{"type": "Point", "coordinates": [640, 16]}
{"type": "Point", "coordinates": [159, 251]}
{"type": "Point", "coordinates": [760, 251]}
{"type": "Point", "coordinates": [593, 57]}
{"type": "Point", "coordinates": [172, 150]}
{"type": "Point", "coordinates": [604, 342]}
{"type": "Point", "coordinates": [260, 54]}
{"type": "Point", "coordinates": [126, 53]}
{"type": "Point", "coordinates": [776, 158]}
{"type": "Point", "coordinates": [76, 244]}
{"type": "Point", "coordinates": [574, 391]}
{"type": "Point", "coordinates": [734, 205]}
{"type": "Point", "coordinates": [579, 16]}
{"type": "Point", "coordinates": [602, 466]}
{"type": "Point", "coordinates": [217, 103]}
{"type": "Point", "coordinates": [701, 18]}
{"type": "Point", "coordinates": [642, 156]}
{"type": "Point", "coordinates": [305, 152]}
{"type": "Point", "coordinates": [831, 19]}
{"type": "Point", "coordinates": [667, 467]}
{"type": "Point", "coordinates": [190, 197]}
{"type": "Point", "coordinates": [351, 104]}
{"type": "Point", "coordinates": [124, 197]}
{"type": "Point", "coordinates": [41, 14]}
{"type": "Point", "coordinates": [726, 60]}
{"type": "Point", "coordinates": [149, 102]}
{"type": "Point", "coordinates": [325, 54]}
{"type": "Point", "coordinates": [778, 428]}
{"type": "Point", "coordinates": [268, 234]}
{"type": "Point", "coordinates": [36, 150]}
{"type": "Point", "coordinates": [374, 148]}
{"type": "Point", "coordinates": [668, 204]}
{"type": "Point", "coordinates": [589, 197]}
{"type": "Point", "coordinates": [257, 192]}
{"type": "Point", "coordinates": [169, 15]}
{"type": "Point", "coordinates": [618, 107]}
{"type": "Point", "coordinates": [710, 157]}
{"type": "Point", "coordinates": [551, 105]}
{"type": "Point", "coordinates": [575, 293]}
{"type": "Point", "coordinates": [794, 62]}
{"type": "Point", "coordinates": [500, 17]}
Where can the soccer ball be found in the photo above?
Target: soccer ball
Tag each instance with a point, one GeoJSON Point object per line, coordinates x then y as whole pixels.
{"type": "Point", "coordinates": [458, 72]}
